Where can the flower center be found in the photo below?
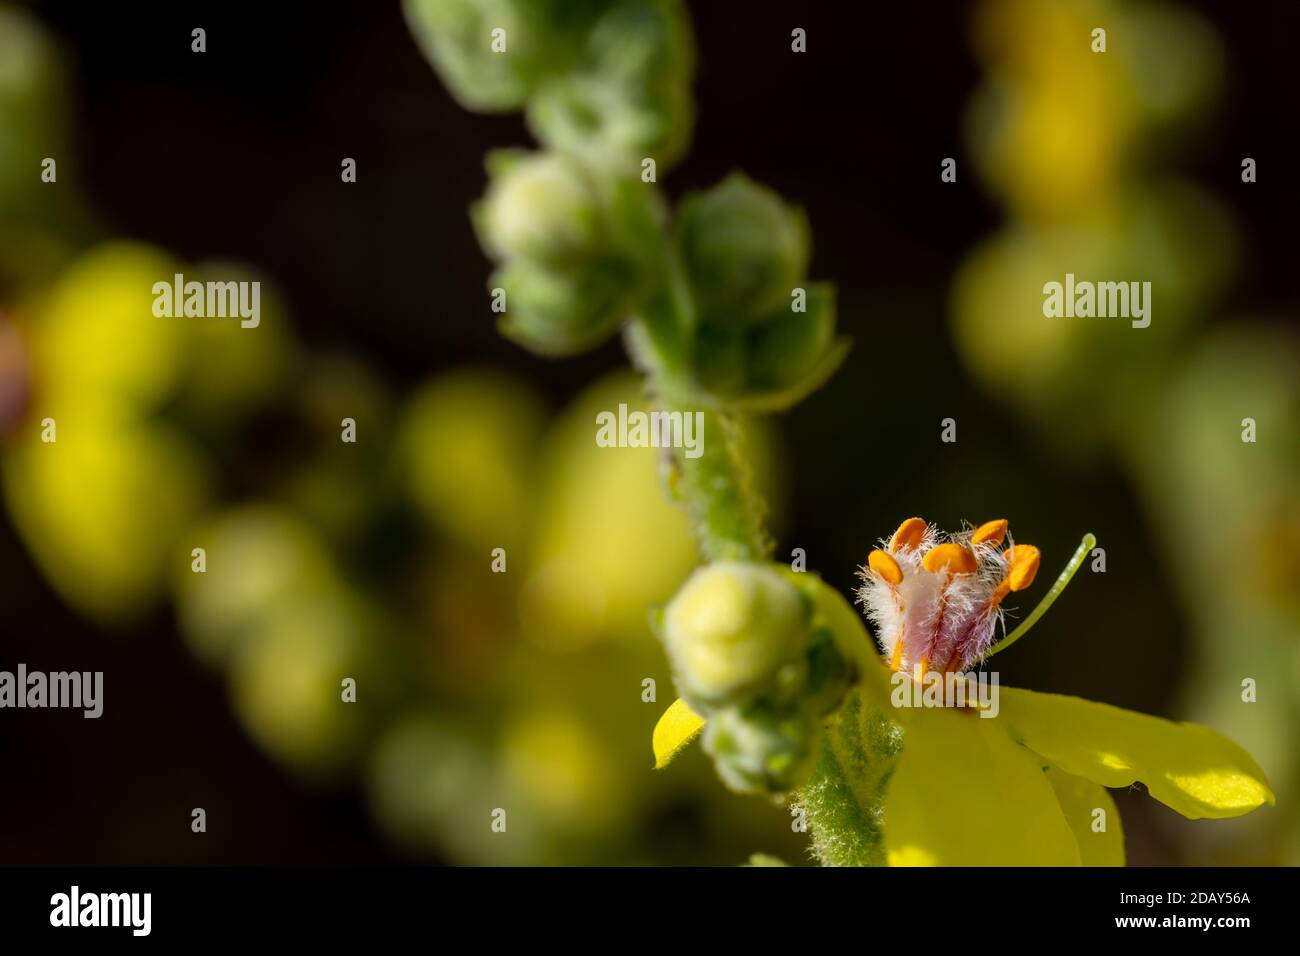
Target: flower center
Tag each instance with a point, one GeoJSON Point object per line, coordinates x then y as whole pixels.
{"type": "Point", "coordinates": [936, 599]}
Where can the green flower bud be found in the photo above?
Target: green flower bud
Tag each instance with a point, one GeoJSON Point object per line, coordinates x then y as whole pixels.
{"type": "Point", "coordinates": [734, 632]}
{"type": "Point", "coordinates": [646, 44]}
{"type": "Point", "coordinates": [776, 364]}
{"type": "Point", "coordinates": [743, 249]}
{"type": "Point", "coordinates": [721, 359]}
{"type": "Point", "coordinates": [632, 99]}
{"type": "Point", "coordinates": [760, 749]}
{"type": "Point", "coordinates": [608, 126]}
{"type": "Point", "coordinates": [492, 54]}
{"type": "Point", "coordinates": [539, 207]}
{"type": "Point", "coordinates": [553, 312]}
{"type": "Point", "coordinates": [793, 343]}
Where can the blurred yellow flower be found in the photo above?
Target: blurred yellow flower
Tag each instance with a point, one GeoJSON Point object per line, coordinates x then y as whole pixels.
{"type": "Point", "coordinates": [608, 543]}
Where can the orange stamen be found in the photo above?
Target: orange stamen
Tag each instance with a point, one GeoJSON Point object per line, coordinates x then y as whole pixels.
{"type": "Point", "coordinates": [1024, 559]}
{"type": "Point", "coordinates": [1002, 590]}
{"type": "Point", "coordinates": [909, 533]}
{"type": "Point", "coordinates": [885, 566]}
{"type": "Point", "coordinates": [990, 532]}
{"type": "Point", "coordinates": [950, 556]}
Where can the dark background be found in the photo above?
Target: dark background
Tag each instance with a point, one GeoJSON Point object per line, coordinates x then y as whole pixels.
{"type": "Point", "coordinates": [236, 154]}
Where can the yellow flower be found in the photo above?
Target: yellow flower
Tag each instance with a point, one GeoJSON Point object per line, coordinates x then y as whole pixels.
{"type": "Point", "coordinates": [1027, 786]}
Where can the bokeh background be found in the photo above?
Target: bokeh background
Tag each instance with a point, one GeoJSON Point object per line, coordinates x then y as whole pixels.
{"type": "Point", "coordinates": [524, 690]}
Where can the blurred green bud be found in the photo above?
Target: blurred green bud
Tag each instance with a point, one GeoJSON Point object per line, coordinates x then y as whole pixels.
{"type": "Point", "coordinates": [560, 313]}
{"type": "Point", "coordinates": [794, 343]}
{"type": "Point", "coordinates": [720, 357]}
{"type": "Point", "coordinates": [540, 207]}
{"type": "Point", "coordinates": [424, 771]}
{"type": "Point", "coordinates": [643, 44]}
{"type": "Point", "coordinates": [33, 110]}
{"type": "Point", "coordinates": [734, 632]}
{"type": "Point", "coordinates": [491, 54]}
{"type": "Point", "coordinates": [1179, 80]}
{"type": "Point", "coordinates": [257, 557]}
{"type": "Point", "coordinates": [762, 748]}
{"type": "Point", "coordinates": [606, 125]}
{"type": "Point", "coordinates": [744, 251]}
{"type": "Point", "coordinates": [632, 98]}
{"type": "Point", "coordinates": [776, 364]}
{"type": "Point", "coordinates": [288, 682]}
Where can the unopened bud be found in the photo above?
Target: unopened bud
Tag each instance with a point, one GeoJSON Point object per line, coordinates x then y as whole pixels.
{"type": "Point", "coordinates": [777, 363]}
{"type": "Point", "coordinates": [540, 207]}
{"type": "Point", "coordinates": [760, 749]}
{"type": "Point", "coordinates": [559, 313]}
{"type": "Point", "coordinates": [492, 54]}
{"type": "Point", "coordinates": [632, 99]}
{"type": "Point", "coordinates": [744, 250]}
{"type": "Point", "coordinates": [731, 632]}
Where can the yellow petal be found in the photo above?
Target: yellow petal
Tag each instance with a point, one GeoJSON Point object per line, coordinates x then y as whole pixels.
{"type": "Point", "coordinates": [676, 728]}
{"type": "Point", "coordinates": [1100, 835]}
{"type": "Point", "coordinates": [965, 794]}
{"type": "Point", "coordinates": [1188, 767]}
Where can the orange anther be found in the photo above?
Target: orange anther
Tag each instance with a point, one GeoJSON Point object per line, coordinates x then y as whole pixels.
{"type": "Point", "coordinates": [990, 532]}
{"type": "Point", "coordinates": [885, 566]}
{"type": "Point", "coordinates": [951, 556]}
{"type": "Point", "coordinates": [1024, 560]}
{"type": "Point", "coordinates": [909, 533]}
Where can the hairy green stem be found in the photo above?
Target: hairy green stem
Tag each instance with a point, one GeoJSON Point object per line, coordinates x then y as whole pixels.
{"type": "Point", "coordinates": [845, 796]}
{"type": "Point", "coordinates": [715, 487]}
